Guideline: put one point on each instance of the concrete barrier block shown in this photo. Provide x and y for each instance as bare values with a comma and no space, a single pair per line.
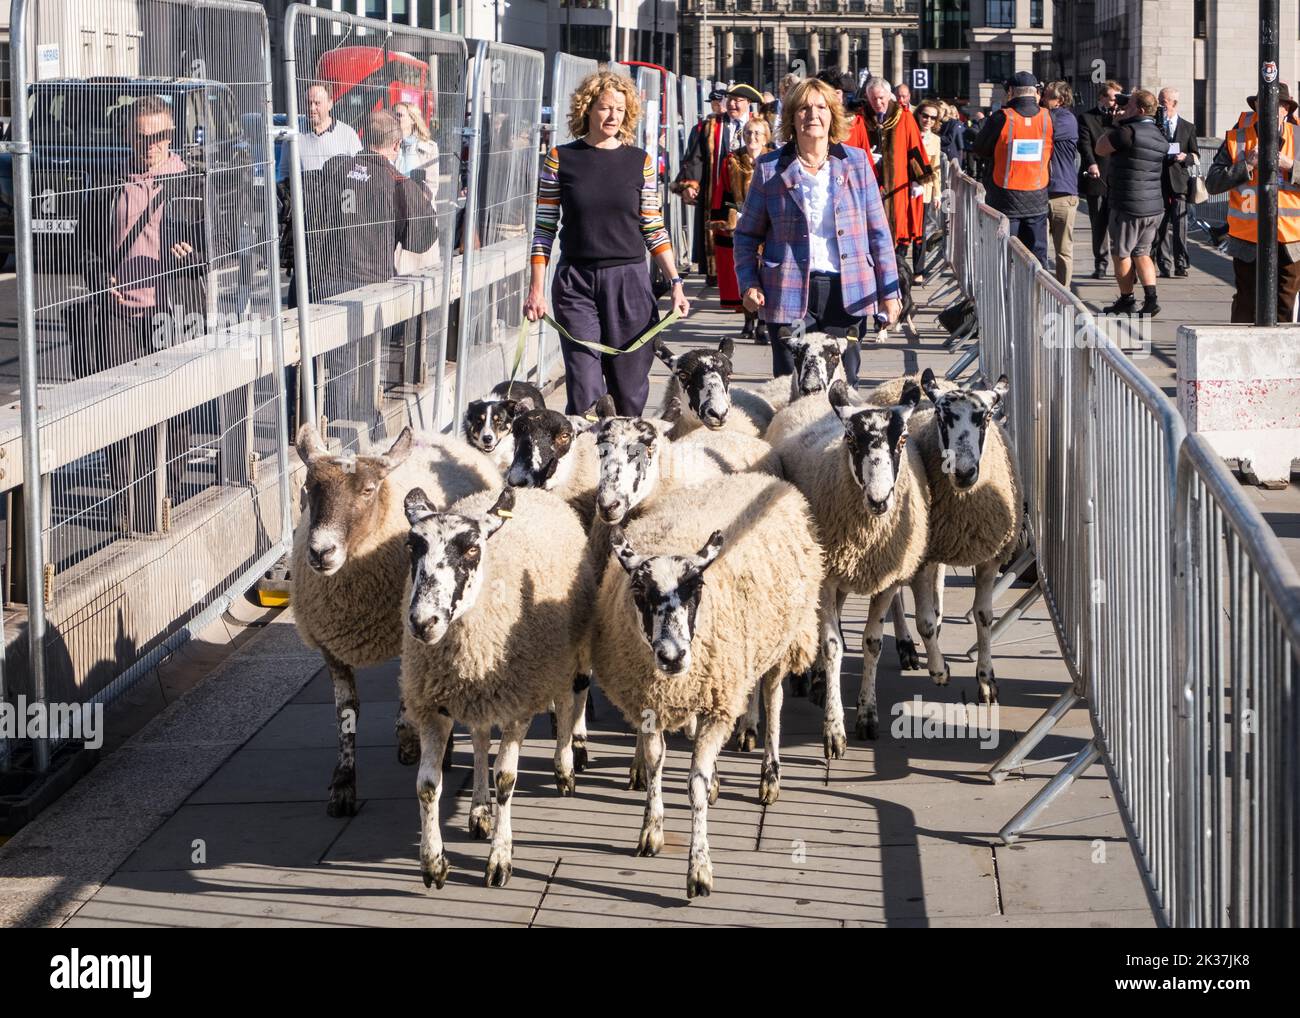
1239,387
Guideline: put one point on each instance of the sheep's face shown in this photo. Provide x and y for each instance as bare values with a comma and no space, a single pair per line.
705,377
543,441
343,496
874,438
818,361
666,590
487,424
447,553
963,417
629,450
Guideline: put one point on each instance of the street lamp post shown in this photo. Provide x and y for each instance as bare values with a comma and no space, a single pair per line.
1266,196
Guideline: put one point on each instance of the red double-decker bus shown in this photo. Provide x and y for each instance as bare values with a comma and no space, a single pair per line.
363,79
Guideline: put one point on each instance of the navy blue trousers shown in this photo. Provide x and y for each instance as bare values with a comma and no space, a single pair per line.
612,306
825,312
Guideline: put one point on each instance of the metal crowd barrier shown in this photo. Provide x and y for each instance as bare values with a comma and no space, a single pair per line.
152,411
1176,611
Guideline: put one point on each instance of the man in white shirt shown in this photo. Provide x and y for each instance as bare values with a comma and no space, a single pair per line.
325,137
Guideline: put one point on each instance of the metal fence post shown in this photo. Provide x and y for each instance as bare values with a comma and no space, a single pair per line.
302,288
469,231
33,511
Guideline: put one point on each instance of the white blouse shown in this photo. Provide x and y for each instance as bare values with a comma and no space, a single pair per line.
822,243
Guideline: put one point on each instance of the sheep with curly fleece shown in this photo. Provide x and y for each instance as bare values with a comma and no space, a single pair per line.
871,502
499,607
688,633
348,563
701,379
890,391
639,463
975,512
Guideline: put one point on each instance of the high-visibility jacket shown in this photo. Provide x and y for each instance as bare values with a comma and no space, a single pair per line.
1023,152
1242,200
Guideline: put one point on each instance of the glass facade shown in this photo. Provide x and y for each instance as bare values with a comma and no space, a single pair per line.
944,24
1000,13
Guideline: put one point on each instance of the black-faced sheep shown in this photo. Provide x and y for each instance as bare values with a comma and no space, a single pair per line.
870,500
701,379
716,590
348,563
976,509
499,608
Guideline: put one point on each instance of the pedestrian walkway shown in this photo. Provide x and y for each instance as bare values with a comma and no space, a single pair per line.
214,814
1204,297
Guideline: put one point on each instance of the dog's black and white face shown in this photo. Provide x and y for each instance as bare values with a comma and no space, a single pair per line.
447,562
705,377
876,437
488,424
666,590
818,360
964,416
629,450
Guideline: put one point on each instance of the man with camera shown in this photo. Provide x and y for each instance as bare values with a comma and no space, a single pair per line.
1092,171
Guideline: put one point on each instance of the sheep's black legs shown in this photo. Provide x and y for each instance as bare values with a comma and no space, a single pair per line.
907,656
652,826
986,573
499,862
769,786
434,733
703,783
347,710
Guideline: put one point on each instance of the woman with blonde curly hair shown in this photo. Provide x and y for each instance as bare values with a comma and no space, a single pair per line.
600,193
417,156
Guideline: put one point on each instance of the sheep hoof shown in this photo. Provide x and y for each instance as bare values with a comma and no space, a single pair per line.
817,690
799,684
988,687
565,783
908,659
651,841
835,743
699,880
580,758
343,794
769,785
498,868
715,785
941,678
435,871
408,746
868,725
636,779
480,823
744,739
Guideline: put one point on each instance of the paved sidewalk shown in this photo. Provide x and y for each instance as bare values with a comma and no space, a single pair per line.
902,832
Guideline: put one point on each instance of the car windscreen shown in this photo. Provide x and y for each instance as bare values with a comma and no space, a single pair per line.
87,114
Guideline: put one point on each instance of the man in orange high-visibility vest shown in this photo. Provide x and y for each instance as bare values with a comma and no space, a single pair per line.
1236,170
1018,140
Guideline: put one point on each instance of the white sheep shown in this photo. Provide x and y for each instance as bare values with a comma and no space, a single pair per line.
639,463
685,633
976,507
487,422
348,563
499,607
870,500
701,379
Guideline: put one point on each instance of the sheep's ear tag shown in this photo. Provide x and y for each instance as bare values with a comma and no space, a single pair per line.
591,417
505,514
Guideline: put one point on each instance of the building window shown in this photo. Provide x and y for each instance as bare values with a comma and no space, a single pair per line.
591,41
797,50
999,66
1000,13
829,6
1035,13
4,79
745,6
1200,107
800,6
945,23
857,7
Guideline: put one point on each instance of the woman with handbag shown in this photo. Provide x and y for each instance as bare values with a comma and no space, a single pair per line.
737,172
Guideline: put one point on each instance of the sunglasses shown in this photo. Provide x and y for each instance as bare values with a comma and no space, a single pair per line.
147,140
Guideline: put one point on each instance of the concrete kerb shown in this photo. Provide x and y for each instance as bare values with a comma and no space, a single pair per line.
57,862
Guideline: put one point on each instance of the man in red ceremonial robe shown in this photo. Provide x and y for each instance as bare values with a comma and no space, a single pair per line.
892,137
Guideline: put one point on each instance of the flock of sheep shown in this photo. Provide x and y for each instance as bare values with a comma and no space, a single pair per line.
687,563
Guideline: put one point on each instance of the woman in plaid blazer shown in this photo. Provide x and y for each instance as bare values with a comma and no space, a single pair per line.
813,248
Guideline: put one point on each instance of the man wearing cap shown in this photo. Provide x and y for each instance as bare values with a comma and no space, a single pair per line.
1236,169
700,180
1018,140
1137,149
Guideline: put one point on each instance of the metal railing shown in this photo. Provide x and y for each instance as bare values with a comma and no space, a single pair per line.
1176,611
